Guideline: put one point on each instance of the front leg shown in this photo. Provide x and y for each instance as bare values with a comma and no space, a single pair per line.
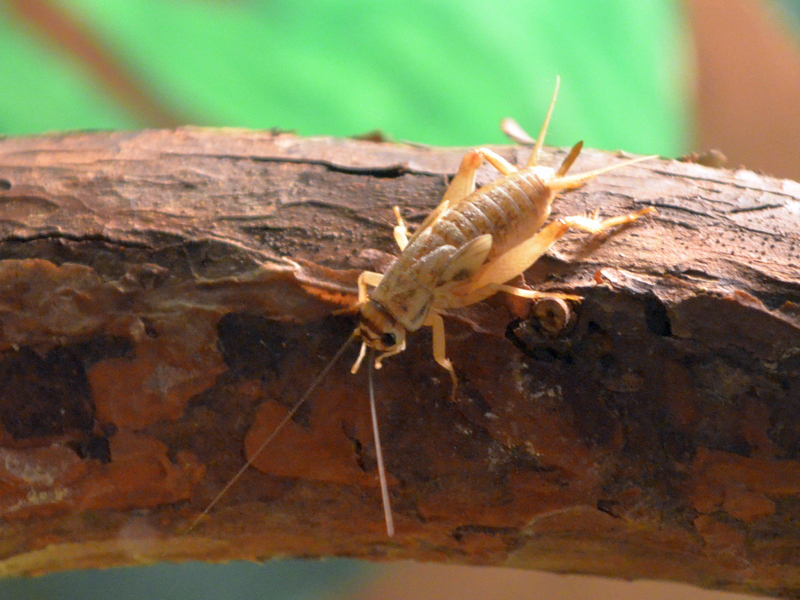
435,321
367,278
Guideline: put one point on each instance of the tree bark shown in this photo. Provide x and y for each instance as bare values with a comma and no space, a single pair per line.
165,296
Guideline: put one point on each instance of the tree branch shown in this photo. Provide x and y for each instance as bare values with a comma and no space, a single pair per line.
166,295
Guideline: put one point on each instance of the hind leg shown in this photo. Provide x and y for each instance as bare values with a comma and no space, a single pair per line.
518,259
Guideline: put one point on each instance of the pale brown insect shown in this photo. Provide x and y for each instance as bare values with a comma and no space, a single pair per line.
465,251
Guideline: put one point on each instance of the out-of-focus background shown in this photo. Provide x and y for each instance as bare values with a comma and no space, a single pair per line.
659,76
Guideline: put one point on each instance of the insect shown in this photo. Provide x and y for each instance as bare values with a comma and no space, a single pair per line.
465,251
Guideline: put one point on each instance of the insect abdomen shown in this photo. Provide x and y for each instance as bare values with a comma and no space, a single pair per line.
510,209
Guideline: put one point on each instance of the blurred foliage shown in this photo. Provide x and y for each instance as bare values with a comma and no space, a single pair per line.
440,73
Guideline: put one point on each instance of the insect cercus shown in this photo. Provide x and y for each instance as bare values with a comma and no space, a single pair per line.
466,250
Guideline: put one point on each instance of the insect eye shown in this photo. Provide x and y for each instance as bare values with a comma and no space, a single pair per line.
388,340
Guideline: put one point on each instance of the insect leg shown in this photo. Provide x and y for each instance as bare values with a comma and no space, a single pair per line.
513,262
490,289
435,321
398,350
519,258
463,183
367,278
400,230
592,224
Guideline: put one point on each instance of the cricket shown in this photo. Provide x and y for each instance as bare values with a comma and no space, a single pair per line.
466,250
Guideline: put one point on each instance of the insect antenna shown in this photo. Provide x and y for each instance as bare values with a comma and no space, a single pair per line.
295,407
387,507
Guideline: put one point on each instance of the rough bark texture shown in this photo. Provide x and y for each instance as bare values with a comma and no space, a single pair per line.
165,295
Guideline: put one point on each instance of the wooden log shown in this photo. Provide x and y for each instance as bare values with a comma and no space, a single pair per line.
166,295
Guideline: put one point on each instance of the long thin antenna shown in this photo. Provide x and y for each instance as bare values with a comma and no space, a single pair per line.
275,432
387,507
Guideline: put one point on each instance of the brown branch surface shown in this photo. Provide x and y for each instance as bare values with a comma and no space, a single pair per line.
165,295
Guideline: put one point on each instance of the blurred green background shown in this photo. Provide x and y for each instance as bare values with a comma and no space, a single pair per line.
441,73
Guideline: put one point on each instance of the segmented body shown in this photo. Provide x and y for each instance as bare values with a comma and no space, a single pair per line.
510,209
